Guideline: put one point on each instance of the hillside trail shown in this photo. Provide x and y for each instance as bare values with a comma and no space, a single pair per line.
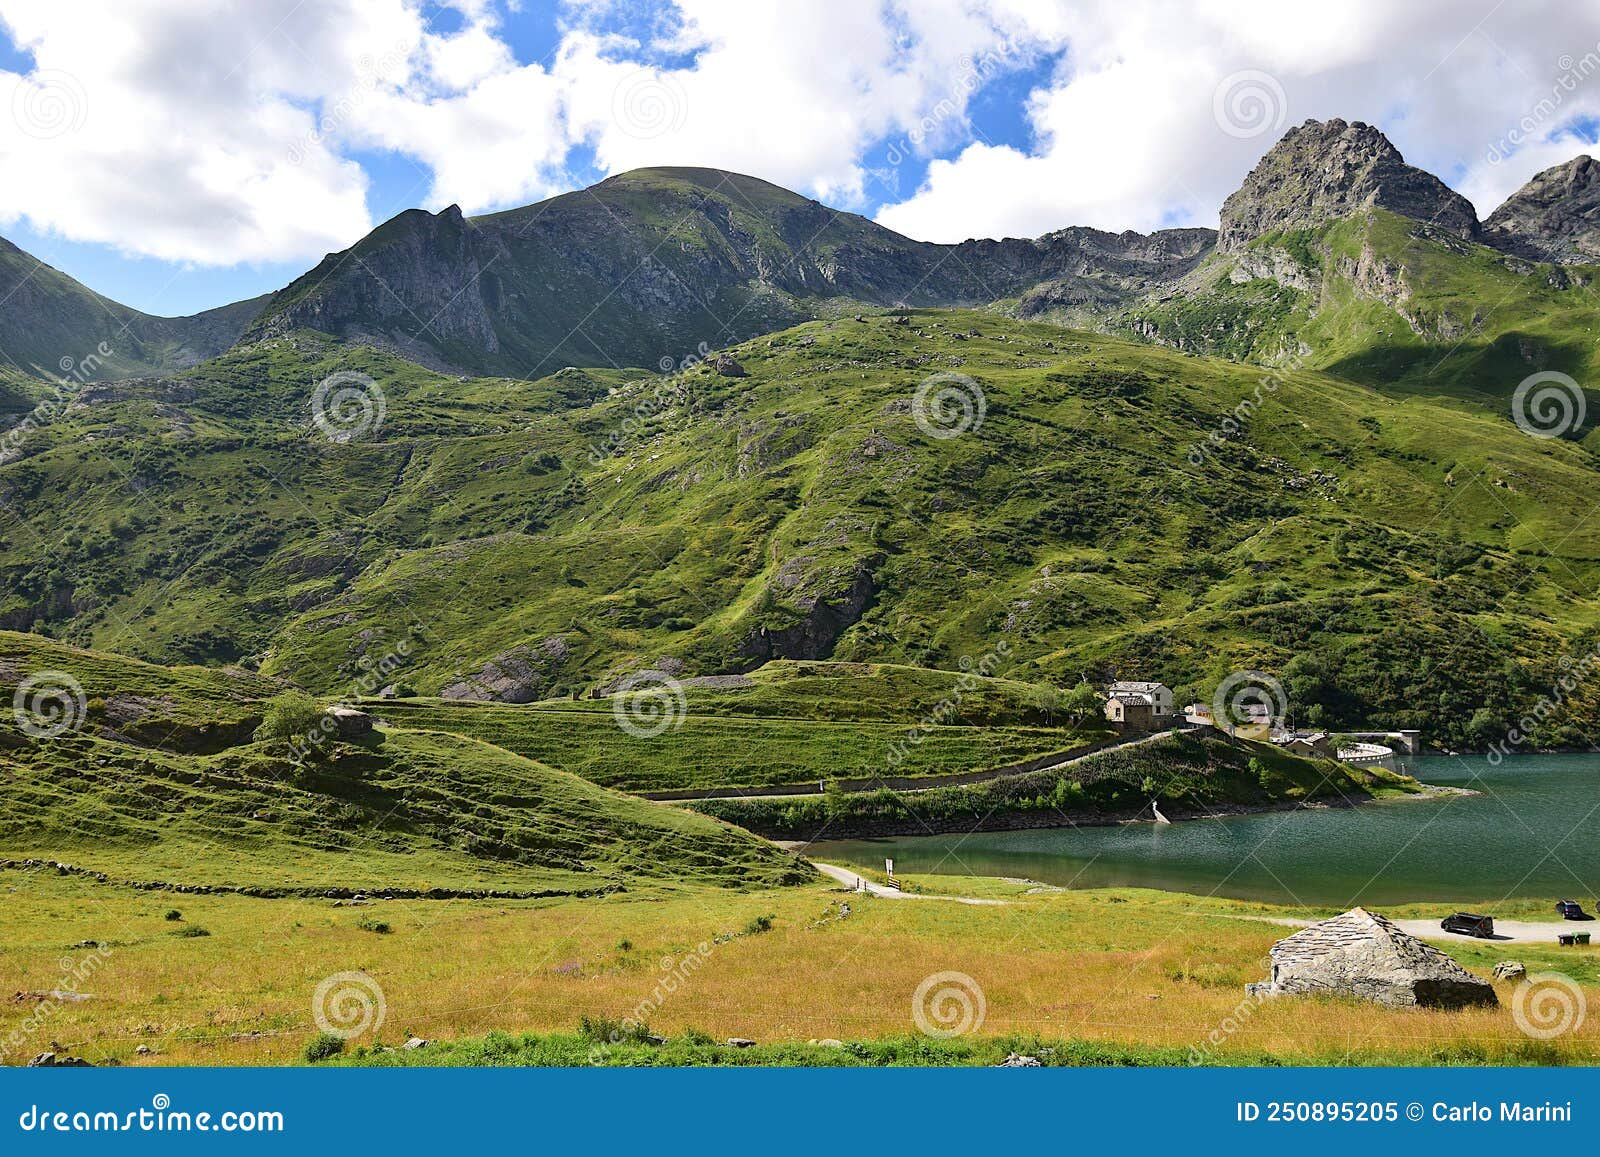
854,880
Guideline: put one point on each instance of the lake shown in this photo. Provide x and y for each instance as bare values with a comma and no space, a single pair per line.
1535,831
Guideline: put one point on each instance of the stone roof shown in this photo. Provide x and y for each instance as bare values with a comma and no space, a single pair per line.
1141,688
1361,954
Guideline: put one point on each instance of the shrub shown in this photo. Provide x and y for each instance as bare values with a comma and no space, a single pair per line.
191,932
322,1046
290,715
370,925
758,924
173,914
604,1030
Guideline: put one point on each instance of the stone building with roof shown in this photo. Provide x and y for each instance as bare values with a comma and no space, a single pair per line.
1360,954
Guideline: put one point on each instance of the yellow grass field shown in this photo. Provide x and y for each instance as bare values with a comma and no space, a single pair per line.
1135,968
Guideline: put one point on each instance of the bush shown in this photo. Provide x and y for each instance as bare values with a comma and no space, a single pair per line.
758,924
322,1046
173,914
191,932
370,925
288,716
604,1030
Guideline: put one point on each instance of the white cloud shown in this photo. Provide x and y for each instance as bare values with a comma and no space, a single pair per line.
224,131
1128,138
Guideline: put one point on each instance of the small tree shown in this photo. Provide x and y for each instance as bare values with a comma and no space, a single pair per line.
290,715
1081,703
1047,698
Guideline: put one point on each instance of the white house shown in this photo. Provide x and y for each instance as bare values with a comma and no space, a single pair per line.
1158,695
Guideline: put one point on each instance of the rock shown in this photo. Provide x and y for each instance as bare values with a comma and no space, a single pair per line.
727,367
739,1042
57,1061
1510,970
145,1051
826,1043
350,721
1360,954
1554,217
416,1042
1019,1061
1325,170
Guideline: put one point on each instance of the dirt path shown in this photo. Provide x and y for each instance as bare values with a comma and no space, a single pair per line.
852,879
1506,931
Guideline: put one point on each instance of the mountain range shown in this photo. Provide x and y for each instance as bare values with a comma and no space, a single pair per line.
525,513
650,266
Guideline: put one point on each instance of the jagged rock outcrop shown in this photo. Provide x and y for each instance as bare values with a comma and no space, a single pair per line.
1554,217
1324,170
412,286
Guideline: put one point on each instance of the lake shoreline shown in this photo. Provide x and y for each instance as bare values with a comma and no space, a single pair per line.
1034,821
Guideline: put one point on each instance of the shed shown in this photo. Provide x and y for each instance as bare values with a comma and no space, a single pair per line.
1362,955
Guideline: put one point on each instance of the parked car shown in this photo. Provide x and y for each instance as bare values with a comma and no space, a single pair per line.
1469,924
1572,910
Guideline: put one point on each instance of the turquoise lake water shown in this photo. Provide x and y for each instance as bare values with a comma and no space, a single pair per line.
1535,831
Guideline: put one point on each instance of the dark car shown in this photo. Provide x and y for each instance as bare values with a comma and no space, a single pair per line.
1572,910
1469,924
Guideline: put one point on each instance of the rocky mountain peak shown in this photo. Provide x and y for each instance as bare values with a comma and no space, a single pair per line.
1554,217
1324,170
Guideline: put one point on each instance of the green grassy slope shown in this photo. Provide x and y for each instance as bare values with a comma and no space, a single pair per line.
401,810
1389,302
1400,559
708,751
57,329
123,699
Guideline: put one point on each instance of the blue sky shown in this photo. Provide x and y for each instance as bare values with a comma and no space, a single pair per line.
167,181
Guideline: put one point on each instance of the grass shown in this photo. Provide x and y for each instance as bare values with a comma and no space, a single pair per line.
710,751
1398,558
413,811
176,708
1115,976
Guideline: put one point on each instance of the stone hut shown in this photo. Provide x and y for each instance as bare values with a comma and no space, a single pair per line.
1361,954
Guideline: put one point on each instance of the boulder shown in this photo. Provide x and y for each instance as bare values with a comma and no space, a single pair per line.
1362,955
1510,970
350,721
56,1061
416,1042
739,1042
1020,1061
727,367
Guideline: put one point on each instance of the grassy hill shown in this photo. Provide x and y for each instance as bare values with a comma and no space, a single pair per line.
55,328
711,751
401,810
1397,558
